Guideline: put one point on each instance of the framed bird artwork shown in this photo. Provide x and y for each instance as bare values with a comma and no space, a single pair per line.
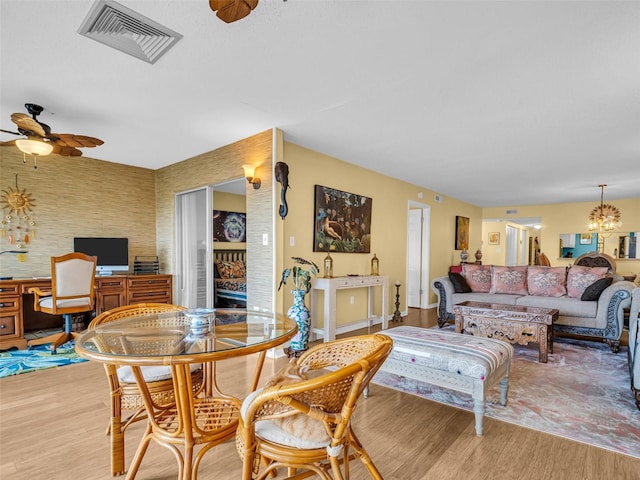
342,221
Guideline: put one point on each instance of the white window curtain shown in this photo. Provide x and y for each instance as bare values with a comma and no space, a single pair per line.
193,249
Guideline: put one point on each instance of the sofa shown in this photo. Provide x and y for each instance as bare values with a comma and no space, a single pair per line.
590,300
634,344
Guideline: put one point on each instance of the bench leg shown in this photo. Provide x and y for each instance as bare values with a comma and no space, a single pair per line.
504,389
478,410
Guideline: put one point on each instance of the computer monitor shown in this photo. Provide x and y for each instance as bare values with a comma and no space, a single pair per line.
112,253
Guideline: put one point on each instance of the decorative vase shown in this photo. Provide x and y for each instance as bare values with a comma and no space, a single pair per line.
478,255
299,313
464,255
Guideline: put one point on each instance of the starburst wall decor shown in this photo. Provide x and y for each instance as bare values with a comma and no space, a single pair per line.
17,227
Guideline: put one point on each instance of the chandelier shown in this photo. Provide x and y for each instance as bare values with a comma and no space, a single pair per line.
603,219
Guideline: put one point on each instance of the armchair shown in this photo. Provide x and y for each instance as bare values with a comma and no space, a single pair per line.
124,392
347,367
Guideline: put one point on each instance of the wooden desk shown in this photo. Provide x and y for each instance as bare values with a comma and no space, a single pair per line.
329,286
203,418
16,303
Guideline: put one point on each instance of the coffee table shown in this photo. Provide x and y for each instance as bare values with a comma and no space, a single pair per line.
510,323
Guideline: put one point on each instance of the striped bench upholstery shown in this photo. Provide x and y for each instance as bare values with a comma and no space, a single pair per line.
463,363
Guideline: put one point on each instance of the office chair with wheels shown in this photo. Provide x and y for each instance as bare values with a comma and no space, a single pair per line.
72,291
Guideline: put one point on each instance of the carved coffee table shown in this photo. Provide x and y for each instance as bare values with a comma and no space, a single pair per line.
510,323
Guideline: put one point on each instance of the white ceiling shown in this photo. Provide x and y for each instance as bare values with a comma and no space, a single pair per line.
493,103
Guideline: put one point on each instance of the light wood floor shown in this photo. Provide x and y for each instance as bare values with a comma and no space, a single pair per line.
52,426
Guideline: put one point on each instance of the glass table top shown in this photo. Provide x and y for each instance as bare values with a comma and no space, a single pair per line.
185,336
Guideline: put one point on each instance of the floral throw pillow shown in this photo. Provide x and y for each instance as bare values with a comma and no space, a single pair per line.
231,269
547,281
579,278
509,280
478,277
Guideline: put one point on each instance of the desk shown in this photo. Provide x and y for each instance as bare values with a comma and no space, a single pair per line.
330,285
16,303
209,417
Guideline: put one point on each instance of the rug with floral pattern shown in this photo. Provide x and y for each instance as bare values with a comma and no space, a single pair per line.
582,393
13,362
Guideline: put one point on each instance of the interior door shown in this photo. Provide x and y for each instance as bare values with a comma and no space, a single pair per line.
512,246
418,224
194,279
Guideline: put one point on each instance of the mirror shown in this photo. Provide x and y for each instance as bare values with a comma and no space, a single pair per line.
620,245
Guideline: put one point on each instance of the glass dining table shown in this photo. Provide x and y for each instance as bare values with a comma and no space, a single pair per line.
203,416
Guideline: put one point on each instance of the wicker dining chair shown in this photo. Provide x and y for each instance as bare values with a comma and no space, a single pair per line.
125,394
346,367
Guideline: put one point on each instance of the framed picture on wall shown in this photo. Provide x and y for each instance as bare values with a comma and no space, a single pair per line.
494,238
462,233
229,226
342,221
585,239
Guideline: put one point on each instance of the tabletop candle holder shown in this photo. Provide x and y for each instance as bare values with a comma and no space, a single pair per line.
397,316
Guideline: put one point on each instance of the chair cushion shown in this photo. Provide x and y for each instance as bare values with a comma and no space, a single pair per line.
509,280
271,432
76,302
150,374
579,278
267,430
547,281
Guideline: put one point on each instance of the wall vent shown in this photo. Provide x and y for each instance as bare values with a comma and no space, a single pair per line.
120,27
512,212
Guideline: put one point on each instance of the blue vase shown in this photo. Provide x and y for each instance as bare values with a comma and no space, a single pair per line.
299,313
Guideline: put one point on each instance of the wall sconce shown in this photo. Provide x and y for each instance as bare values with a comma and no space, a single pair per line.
249,174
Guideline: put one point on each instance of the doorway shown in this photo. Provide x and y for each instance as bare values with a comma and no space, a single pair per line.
418,234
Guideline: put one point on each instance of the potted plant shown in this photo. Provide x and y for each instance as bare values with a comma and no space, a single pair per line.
300,273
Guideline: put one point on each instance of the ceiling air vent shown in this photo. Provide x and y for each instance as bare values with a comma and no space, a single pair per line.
119,27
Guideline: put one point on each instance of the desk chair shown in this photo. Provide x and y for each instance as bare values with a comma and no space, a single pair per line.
349,363
72,291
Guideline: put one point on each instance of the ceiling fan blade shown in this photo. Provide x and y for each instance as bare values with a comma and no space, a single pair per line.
216,5
234,11
252,3
28,124
72,140
65,151
10,143
9,131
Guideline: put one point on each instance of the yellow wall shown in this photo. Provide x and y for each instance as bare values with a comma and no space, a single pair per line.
573,218
390,200
495,254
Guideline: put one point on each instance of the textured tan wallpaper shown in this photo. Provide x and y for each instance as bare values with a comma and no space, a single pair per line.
74,197
219,166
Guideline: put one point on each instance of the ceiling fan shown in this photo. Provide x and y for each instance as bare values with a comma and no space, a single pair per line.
232,10
39,134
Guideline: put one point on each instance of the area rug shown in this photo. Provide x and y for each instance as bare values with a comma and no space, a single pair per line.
13,362
582,393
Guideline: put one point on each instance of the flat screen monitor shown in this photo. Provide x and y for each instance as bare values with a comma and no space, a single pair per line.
112,253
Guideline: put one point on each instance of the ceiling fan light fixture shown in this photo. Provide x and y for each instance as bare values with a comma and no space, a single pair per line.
32,146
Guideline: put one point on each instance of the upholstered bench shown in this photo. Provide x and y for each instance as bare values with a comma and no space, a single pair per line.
463,363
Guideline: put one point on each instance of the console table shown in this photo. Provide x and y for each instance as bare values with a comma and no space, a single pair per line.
16,303
330,286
